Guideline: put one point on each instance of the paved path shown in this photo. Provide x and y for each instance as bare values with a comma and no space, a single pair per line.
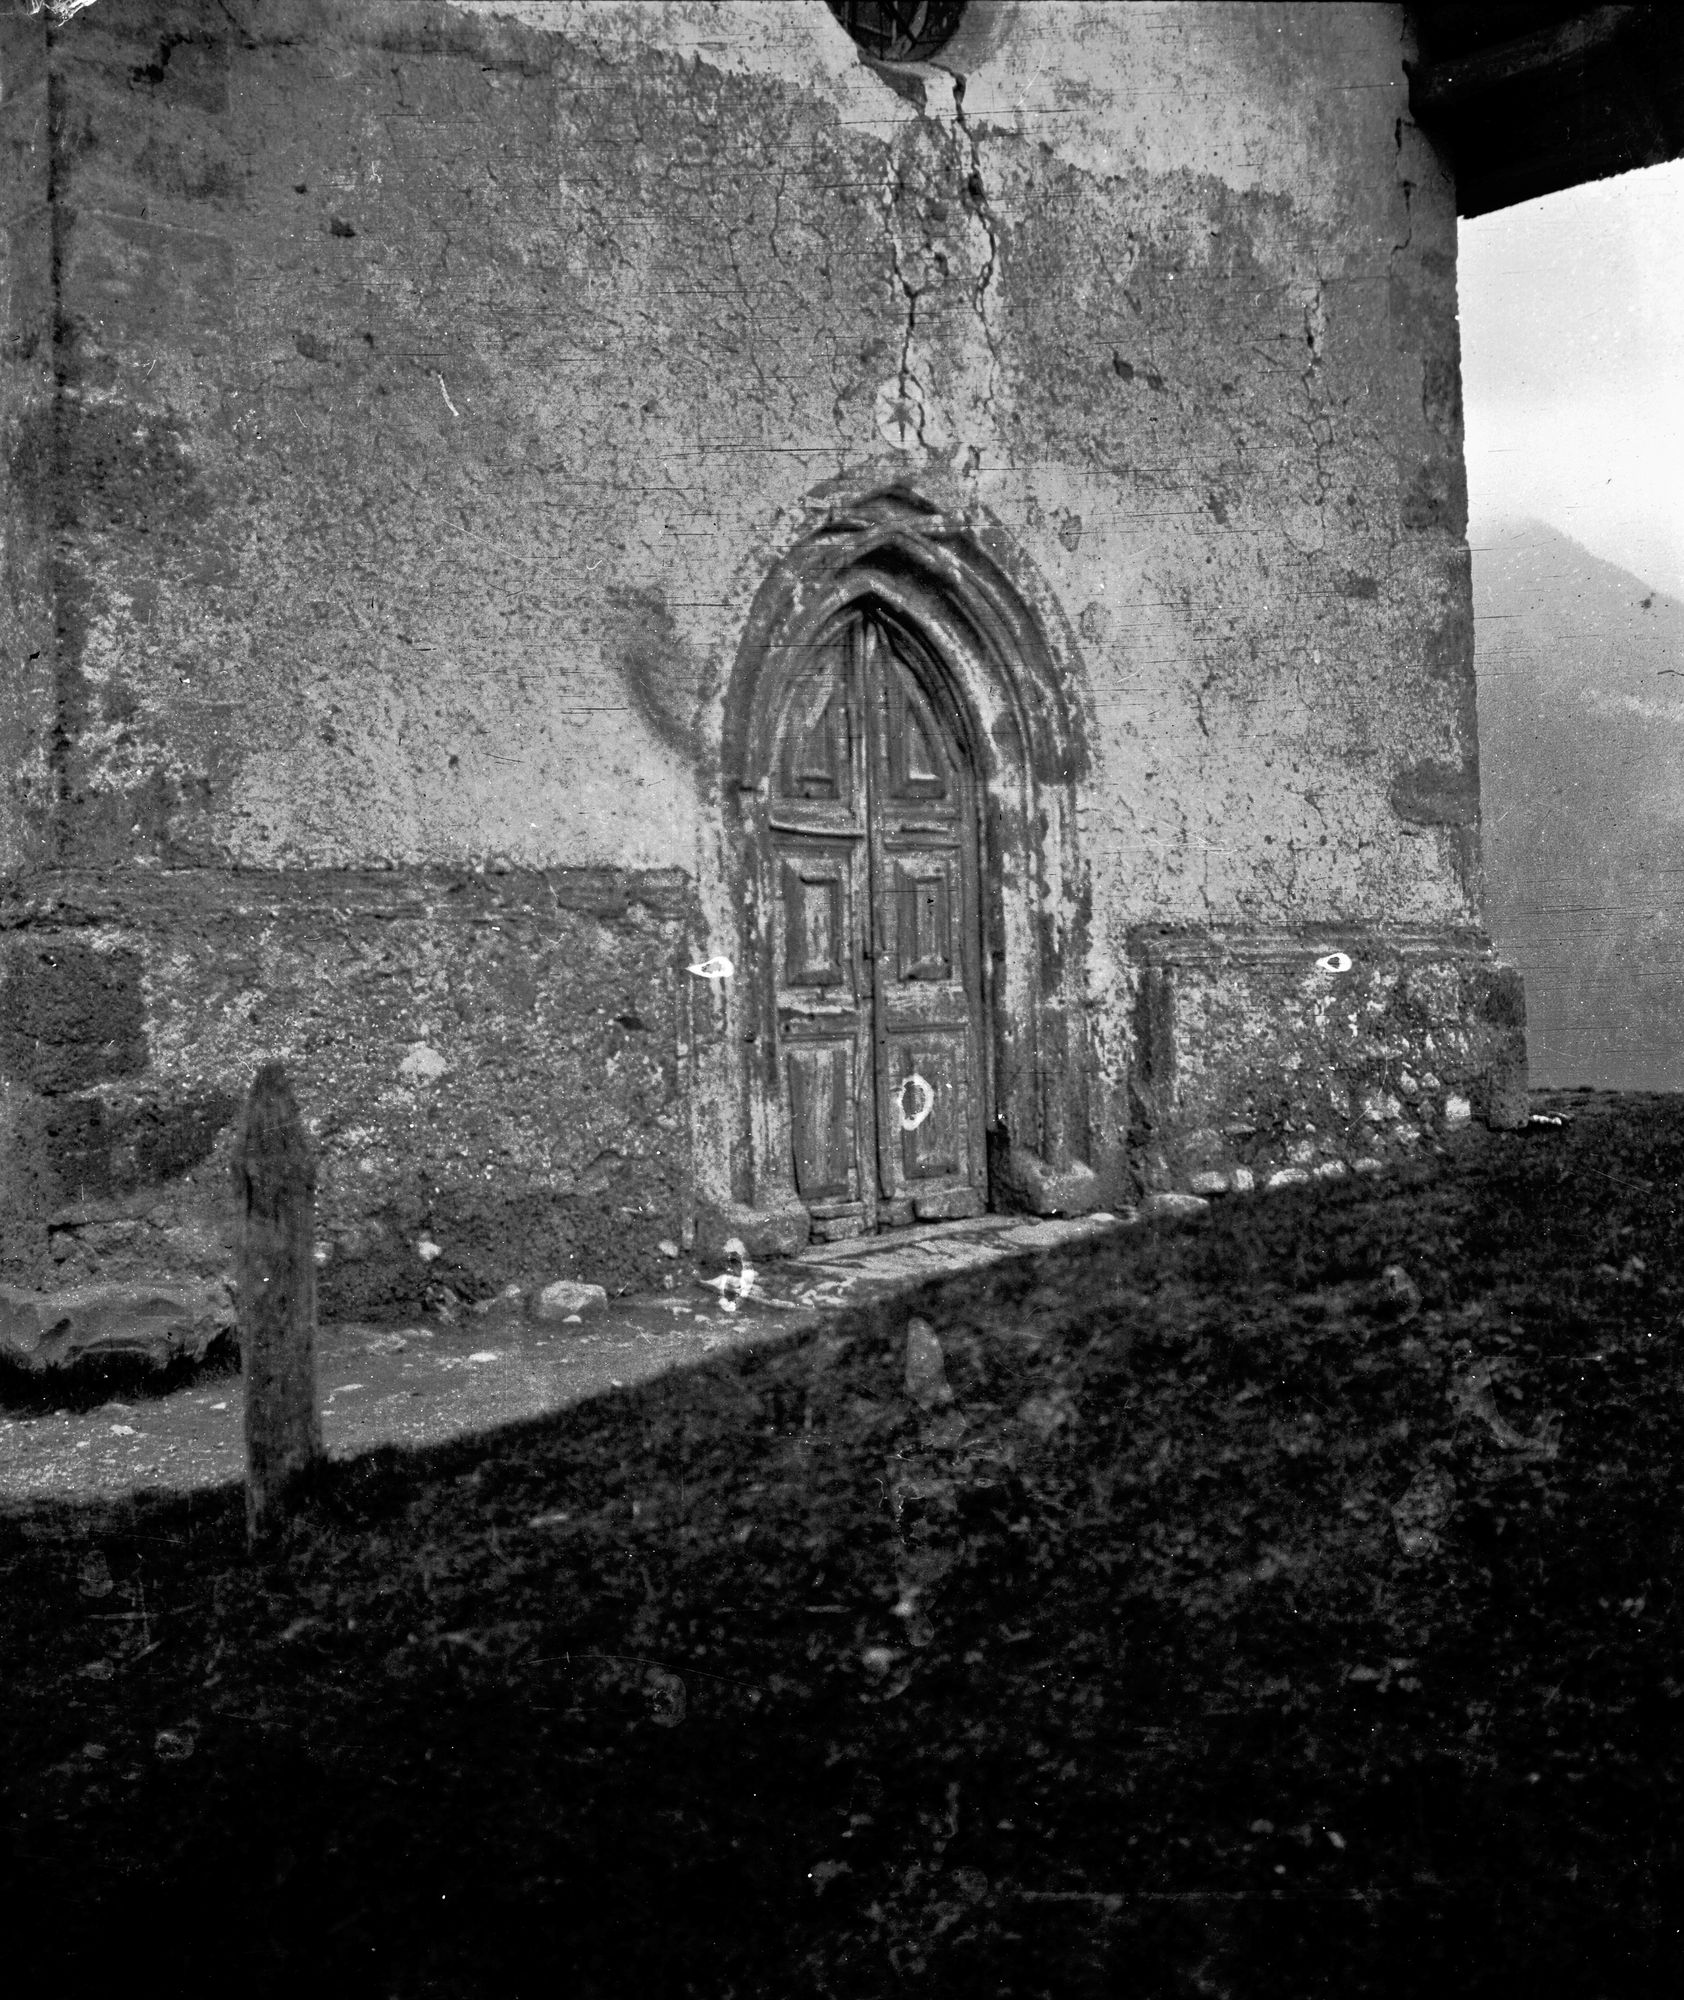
423,1384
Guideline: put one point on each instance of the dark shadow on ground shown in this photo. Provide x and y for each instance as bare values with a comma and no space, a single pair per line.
1238,1619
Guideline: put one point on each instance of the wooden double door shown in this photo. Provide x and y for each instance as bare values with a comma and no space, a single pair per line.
872,829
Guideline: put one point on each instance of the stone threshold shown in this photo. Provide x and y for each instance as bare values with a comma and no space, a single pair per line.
851,1247
925,1251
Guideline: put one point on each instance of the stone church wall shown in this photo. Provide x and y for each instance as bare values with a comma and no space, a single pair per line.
404,402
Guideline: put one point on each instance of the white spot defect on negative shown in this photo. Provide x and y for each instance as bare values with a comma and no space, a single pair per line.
719,967
1334,961
926,1104
427,1250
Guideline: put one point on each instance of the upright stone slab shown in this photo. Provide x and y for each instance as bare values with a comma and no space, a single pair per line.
275,1180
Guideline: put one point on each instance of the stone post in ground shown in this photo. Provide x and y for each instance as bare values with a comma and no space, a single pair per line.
1505,1085
275,1187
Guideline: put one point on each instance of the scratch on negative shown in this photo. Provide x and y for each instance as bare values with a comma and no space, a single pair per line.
448,404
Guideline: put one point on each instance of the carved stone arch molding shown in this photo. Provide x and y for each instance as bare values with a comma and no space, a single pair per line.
1017,704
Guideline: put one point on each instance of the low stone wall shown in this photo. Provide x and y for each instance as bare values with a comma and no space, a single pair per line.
491,1065
499,1068
1281,1057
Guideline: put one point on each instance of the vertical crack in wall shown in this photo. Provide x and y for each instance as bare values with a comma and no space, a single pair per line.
908,387
1316,420
751,322
976,191
1406,187
1205,687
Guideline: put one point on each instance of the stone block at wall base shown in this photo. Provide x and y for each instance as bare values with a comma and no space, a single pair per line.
1023,1180
1260,1055
776,1230
489,1063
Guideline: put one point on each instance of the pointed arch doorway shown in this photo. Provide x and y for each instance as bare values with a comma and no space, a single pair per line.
901,896
877,962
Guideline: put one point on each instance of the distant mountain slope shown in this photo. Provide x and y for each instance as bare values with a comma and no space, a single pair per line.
1581,722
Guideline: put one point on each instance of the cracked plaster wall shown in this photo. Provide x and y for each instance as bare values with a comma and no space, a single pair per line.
440,385
437,382
26,397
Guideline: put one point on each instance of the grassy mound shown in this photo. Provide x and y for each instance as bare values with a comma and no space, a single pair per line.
1279,1604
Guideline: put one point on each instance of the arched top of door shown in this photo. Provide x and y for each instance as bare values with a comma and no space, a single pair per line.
969,595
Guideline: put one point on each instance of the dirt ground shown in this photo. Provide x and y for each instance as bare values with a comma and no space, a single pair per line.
377,1385
467,1374
1278,1603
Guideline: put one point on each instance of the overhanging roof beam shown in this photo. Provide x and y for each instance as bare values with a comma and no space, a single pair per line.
1552,53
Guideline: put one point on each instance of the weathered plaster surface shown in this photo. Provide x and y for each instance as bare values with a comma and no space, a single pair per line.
416,514
493,1064
26,401
438,383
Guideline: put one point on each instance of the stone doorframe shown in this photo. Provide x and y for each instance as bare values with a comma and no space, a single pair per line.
1056,1141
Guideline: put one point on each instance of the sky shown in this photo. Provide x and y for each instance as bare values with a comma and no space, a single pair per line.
1573,368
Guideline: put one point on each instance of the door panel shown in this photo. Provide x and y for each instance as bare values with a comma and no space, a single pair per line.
815,901
926,999
876,951
916,765
820,918
821,1102
929,1087
921,916
815,759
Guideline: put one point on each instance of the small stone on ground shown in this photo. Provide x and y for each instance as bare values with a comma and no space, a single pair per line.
567,1297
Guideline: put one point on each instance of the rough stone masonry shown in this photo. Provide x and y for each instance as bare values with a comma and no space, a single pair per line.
436,433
